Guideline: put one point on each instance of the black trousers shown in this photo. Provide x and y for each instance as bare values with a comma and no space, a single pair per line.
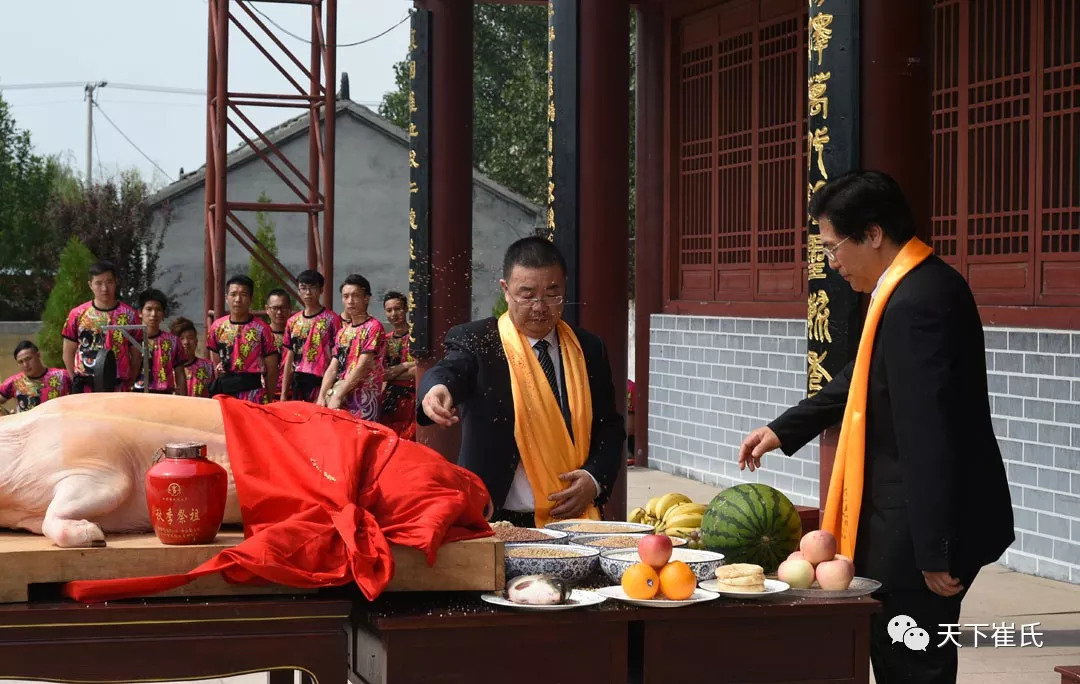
895,663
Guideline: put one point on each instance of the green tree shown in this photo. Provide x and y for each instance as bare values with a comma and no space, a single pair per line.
510,96
114,221
499,308
510,101
266,234
69,289
30,247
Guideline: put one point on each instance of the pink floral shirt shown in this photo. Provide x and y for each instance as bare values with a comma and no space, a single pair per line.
85,326
242,347
312,340
353,342
166,356
30,392
199,376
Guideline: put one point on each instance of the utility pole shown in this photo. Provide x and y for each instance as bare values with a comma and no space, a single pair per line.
89,90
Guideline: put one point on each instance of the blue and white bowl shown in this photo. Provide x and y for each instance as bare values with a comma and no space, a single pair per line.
570,569
704,563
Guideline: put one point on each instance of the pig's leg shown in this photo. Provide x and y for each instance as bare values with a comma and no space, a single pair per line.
79,496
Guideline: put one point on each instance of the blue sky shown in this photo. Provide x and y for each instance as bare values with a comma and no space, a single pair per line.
159,42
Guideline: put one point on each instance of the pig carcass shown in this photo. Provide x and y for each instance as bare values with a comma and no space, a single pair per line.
74,468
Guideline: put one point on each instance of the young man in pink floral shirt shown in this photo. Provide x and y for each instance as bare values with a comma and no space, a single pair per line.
198,372
36,384
165,358
242,348
278,310
86,341
310,336
354,379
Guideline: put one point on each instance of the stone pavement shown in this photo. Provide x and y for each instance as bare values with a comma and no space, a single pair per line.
999,595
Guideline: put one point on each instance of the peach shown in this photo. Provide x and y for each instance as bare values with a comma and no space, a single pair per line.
818,546
796,572
835,575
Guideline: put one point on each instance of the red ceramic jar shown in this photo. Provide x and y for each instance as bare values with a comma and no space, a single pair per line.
185,494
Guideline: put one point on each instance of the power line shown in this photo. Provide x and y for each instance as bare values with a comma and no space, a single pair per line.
340,45
32,86
110,84
132,143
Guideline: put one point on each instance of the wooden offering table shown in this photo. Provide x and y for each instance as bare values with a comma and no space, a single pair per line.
453,638
28,559
769,640
174,639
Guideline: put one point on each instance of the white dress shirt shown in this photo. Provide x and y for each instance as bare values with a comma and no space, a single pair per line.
520,497
880,280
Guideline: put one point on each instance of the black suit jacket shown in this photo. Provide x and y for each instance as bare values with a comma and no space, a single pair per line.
935,494
475,370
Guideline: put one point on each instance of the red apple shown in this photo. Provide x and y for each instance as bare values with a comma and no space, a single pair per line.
818,546
654,550
835,575
797,572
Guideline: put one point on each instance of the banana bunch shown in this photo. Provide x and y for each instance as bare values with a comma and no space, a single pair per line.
674,514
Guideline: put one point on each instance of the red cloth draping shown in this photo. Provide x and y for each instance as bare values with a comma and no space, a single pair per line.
323,495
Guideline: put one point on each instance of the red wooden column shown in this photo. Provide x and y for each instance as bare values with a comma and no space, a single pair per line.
451,186
649,207
896,99
604,121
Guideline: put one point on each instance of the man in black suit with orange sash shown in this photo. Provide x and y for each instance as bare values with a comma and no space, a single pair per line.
534,396
918,478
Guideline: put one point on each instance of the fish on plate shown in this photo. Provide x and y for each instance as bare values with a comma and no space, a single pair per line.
537,590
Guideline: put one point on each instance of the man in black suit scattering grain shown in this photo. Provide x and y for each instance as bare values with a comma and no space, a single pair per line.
534,397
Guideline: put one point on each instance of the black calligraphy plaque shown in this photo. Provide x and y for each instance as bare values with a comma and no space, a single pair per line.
562,210
833,313
420,184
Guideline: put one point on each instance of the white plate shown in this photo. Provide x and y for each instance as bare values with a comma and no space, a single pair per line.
771,587
860,586
616,592
578,599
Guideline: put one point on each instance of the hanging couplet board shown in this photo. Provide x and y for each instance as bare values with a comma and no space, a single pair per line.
420,184
562,114
832,318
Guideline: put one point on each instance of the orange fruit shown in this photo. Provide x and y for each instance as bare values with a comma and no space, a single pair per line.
677,581
640,581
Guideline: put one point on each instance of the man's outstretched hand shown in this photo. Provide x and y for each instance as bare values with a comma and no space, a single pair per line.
438,405
757,444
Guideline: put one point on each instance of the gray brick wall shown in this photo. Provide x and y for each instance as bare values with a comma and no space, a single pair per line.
1034,380
712,380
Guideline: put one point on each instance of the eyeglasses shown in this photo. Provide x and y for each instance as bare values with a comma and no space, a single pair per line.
830,252
554,300
277,308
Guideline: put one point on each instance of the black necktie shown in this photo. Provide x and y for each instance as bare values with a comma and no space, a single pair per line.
544,358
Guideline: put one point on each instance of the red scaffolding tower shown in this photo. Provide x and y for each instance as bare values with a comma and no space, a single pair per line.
225,110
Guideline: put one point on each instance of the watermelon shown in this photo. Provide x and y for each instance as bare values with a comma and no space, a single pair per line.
752,523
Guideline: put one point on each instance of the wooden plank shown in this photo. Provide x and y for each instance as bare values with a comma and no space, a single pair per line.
473,565
33,559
